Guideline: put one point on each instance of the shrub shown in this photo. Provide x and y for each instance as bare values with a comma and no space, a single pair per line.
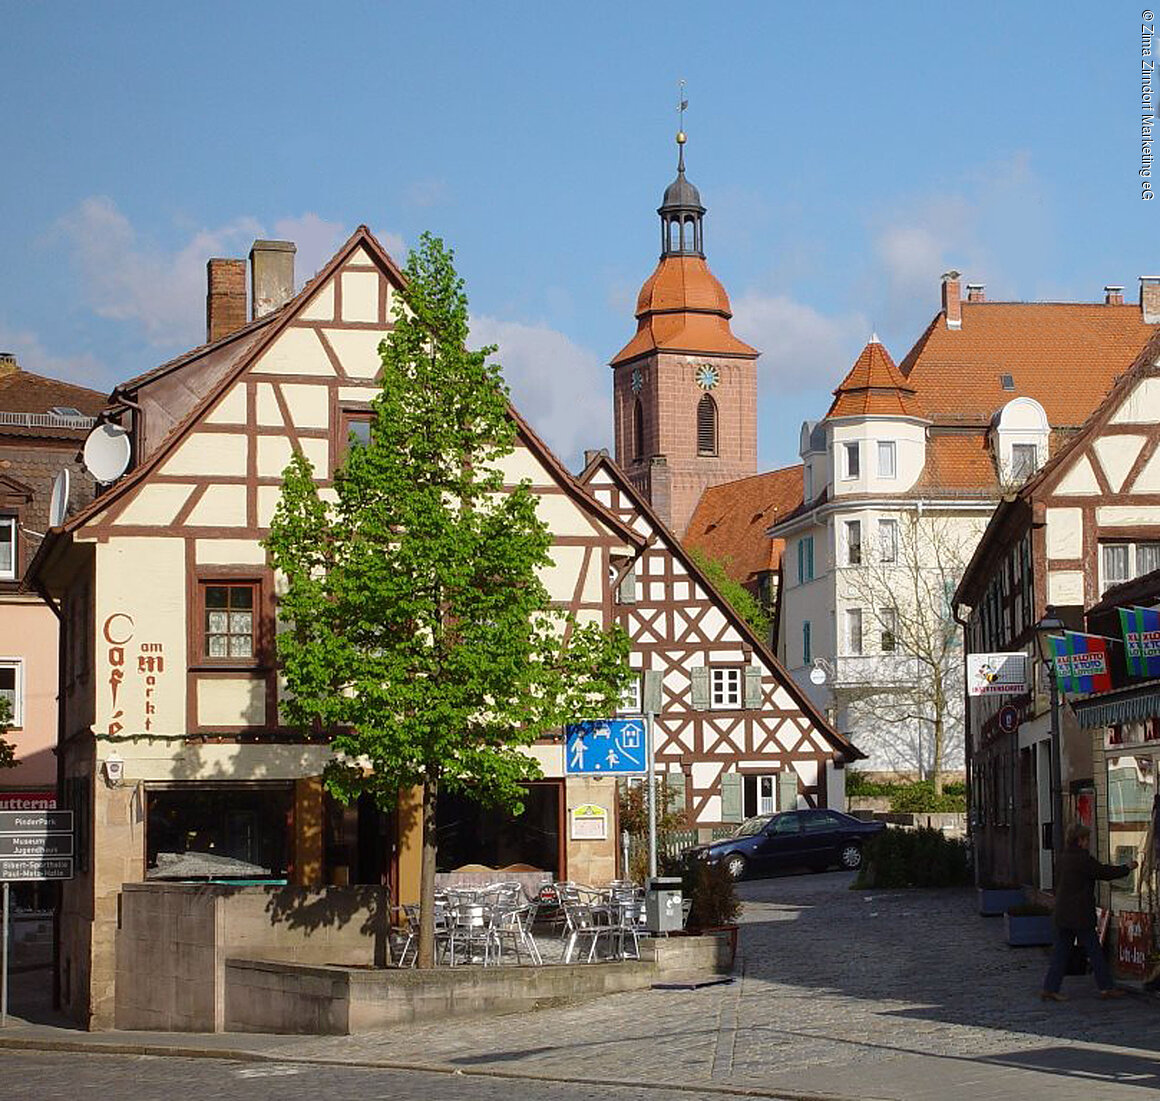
911,796
914,858
713,892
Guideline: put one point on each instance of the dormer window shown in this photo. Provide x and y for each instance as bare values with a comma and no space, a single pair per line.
1007,382
1024,460
7,548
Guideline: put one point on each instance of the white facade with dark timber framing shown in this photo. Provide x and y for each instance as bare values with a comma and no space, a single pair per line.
733,726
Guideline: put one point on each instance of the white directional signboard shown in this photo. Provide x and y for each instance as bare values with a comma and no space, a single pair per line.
36,844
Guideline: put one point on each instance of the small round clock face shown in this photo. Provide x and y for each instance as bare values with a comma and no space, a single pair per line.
637,380
707,376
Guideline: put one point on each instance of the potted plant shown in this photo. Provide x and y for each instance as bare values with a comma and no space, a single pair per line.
997,898
1028,924
715,903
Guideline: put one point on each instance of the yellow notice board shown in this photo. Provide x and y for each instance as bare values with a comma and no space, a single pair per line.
589,822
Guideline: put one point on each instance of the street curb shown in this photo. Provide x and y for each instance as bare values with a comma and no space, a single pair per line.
98,1047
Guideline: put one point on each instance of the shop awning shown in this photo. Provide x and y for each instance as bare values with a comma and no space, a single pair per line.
1114,708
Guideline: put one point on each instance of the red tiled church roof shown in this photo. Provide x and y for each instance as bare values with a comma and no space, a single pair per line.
682,307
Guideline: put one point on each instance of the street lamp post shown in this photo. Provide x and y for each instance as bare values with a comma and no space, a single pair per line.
1049,625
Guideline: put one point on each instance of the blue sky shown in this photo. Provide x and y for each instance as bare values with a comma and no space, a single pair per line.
847,153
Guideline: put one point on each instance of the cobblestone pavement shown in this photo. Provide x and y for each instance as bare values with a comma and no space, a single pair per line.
840,993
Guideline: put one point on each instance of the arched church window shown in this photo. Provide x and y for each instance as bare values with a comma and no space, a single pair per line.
706,426
638,430
674,235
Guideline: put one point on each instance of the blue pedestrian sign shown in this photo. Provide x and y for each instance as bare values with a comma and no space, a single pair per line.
606,747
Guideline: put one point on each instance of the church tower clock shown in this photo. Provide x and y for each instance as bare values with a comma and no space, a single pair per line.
684,387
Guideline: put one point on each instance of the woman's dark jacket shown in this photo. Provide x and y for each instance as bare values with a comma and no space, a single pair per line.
1076,873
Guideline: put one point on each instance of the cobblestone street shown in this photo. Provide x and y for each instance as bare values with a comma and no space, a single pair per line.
840,993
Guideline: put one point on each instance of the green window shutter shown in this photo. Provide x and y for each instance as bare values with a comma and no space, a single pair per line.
675,790
626,593
753,686
651,691
700,688
731,805
787,790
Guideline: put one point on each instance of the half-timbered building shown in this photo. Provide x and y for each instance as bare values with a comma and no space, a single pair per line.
173,752
1087,521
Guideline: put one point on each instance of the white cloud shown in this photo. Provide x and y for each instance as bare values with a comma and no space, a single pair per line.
317,241
162,291
801,349
127,279
559,387
31,355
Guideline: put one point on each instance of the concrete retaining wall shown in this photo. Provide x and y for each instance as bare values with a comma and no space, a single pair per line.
270,996
173,940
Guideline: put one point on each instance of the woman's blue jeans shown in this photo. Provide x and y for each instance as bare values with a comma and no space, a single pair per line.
1064,939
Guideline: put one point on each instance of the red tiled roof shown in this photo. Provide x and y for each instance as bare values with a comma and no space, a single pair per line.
683,308
874,386
956,464
1064,355
730,521
24,392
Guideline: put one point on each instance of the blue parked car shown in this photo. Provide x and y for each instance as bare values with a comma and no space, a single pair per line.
816,839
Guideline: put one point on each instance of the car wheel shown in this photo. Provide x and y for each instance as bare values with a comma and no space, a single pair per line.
735,865
850,856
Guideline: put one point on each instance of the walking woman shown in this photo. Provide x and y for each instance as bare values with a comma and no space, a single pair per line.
1076,873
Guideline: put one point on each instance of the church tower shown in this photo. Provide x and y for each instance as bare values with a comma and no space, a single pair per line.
684,388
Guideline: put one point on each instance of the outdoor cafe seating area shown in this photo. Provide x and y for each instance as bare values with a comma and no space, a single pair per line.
499,923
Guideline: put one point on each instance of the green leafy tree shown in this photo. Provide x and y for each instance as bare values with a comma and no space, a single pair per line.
7,749
743,602
418,632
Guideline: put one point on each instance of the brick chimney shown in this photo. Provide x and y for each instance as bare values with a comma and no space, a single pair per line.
1113,295
8,364
1150,298
975,292
225,299
951,300
271,275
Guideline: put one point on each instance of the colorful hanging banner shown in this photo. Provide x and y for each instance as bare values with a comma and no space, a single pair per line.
1081,662
1141,628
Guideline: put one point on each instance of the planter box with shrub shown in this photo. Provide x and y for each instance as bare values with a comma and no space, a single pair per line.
994,901
1028,925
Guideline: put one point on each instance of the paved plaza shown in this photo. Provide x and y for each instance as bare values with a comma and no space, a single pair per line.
839,993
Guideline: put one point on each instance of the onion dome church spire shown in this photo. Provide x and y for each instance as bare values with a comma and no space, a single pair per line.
685,388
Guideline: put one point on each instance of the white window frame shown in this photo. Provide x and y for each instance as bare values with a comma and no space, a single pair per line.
726,684
888,621
851,460
12,572
855,639
1132,562
16,664
630,702
853,533
888,541
1028,450
887,458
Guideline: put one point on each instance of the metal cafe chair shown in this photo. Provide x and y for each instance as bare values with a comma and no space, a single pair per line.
404,935
591,921
513,925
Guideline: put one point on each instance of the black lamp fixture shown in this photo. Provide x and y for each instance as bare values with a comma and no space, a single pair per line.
1049,625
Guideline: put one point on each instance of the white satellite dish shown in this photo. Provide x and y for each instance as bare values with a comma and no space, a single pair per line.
817,675
58,503
107,452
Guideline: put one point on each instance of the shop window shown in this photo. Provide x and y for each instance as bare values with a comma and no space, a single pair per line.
470,833
1131,790
228,623
219,831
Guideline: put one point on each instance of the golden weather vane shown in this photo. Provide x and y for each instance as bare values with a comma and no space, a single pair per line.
682,106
